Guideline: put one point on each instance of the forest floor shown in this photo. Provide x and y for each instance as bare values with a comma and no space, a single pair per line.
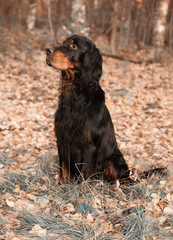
32,204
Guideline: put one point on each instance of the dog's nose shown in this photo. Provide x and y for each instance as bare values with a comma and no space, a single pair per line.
49,51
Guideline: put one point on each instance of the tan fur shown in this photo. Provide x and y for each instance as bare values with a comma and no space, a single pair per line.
60,61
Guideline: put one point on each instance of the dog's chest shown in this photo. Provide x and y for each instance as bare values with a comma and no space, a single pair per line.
70,116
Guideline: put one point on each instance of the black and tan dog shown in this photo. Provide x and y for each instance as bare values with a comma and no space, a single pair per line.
85,134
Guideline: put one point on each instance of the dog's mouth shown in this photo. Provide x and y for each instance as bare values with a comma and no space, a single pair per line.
48,62
58,61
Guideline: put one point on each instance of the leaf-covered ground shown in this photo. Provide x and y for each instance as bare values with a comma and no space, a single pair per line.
32,204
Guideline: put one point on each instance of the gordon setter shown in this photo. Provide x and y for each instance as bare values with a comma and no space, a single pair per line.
85,134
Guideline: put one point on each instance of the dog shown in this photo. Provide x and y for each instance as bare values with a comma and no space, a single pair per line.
84,131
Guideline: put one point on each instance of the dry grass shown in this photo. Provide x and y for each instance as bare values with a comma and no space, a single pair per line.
81,211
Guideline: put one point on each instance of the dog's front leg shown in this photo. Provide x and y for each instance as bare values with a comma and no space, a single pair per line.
89,158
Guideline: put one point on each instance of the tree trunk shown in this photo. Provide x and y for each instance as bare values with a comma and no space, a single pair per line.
159,29
78,15
31,15
19,3
114,26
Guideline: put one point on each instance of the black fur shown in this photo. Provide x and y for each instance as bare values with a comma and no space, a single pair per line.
85,134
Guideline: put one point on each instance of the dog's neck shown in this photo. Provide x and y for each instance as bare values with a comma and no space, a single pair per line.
74,79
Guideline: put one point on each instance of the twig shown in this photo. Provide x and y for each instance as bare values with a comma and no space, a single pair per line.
50,22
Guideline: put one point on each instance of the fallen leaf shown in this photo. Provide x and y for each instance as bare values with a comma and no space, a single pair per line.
168,210
38,231
90,218
10,203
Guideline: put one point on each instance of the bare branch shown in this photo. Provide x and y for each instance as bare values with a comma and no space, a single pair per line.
124,58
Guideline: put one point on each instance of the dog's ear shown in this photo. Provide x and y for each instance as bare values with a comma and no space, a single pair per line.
92,64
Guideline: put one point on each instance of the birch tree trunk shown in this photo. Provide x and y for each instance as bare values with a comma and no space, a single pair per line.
31,15
159,29
78,15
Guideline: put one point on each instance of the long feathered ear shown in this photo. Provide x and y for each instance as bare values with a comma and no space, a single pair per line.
92,65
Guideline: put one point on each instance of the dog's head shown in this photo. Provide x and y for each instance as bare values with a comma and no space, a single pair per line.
77,54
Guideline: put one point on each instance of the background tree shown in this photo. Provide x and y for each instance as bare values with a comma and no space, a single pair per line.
31,15
159,29
78,16
114,25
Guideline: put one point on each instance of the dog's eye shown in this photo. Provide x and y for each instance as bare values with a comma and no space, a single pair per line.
73,46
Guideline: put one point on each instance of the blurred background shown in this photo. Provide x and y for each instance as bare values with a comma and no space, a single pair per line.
115,25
